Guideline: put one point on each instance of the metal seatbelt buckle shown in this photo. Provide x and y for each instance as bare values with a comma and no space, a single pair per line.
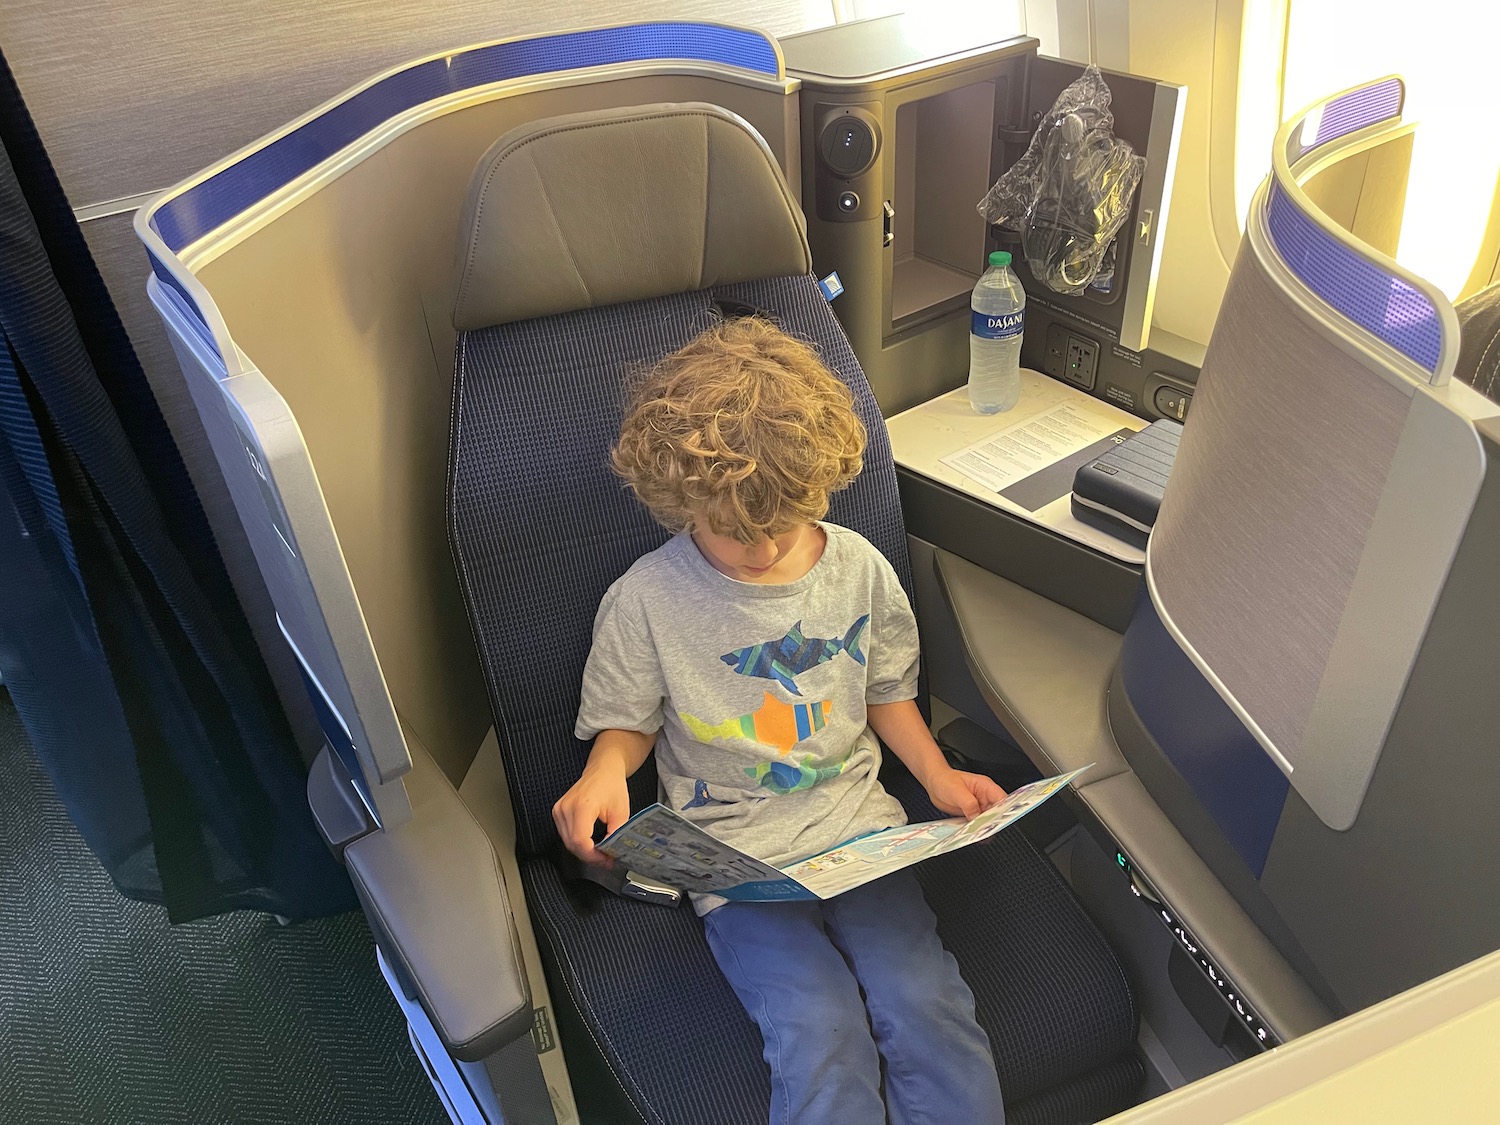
649,890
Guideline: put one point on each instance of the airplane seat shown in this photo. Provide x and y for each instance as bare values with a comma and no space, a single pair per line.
1296,763
1309,604
1479,344
592,245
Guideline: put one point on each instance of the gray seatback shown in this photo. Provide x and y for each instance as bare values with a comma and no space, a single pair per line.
1333,495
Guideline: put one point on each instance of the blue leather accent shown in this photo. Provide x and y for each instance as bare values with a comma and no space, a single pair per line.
1236,780
169,279
205,206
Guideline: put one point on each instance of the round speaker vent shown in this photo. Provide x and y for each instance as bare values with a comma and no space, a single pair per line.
847,146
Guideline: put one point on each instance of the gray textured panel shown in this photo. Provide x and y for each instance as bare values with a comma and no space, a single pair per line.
1272,495
1413,889
134,97
1418,525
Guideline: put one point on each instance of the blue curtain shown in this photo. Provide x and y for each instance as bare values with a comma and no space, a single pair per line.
128,657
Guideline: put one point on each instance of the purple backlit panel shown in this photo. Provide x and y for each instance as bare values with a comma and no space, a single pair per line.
1355,110
1380,303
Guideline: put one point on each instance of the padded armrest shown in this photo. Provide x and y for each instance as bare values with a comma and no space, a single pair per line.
434,892
1045,671
1180,878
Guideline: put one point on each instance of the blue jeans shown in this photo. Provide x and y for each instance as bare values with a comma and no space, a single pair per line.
799,968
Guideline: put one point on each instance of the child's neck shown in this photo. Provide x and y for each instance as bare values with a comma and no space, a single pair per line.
731,560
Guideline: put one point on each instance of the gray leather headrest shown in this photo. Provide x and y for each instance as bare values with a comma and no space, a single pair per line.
616,205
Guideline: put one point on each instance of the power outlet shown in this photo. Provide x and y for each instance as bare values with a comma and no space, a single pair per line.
1055,357
1082,362
1071,357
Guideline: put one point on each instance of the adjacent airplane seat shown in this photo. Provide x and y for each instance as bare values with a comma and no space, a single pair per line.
1296,753
1479,342
592,245
1316,598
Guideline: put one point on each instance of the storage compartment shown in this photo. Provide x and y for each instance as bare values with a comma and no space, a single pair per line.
903,233
942,170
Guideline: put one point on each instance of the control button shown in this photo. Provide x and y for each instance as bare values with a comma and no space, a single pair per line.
847,145
848,202
1172,403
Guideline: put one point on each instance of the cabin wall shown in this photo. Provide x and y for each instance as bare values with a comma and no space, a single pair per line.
130,98
1195,45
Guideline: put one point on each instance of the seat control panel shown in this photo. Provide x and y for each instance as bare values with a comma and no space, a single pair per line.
1171,402
1169,397
1259,1032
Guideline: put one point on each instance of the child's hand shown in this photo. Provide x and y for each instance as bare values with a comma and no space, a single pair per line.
963,794
600,794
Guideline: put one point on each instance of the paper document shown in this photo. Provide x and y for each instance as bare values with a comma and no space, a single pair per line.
661,845
1029,446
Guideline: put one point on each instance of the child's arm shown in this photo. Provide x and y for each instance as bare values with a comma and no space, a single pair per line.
600,794
903,732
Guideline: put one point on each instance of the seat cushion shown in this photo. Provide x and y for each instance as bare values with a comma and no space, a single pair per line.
1047,988
1048,991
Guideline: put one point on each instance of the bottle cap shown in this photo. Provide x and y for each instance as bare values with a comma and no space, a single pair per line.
1000,257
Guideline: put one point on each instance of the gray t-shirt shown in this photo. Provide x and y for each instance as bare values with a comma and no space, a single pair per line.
759,691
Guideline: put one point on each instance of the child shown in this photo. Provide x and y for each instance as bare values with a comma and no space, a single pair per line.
761,652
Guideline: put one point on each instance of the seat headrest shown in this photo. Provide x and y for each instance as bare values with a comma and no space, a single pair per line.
599,208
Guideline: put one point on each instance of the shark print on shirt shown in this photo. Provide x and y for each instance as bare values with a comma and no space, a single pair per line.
781,660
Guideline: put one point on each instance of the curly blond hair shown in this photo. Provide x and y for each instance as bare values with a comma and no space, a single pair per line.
743,424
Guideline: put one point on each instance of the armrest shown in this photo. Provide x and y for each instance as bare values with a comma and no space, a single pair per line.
1175,873
1043,669
436,899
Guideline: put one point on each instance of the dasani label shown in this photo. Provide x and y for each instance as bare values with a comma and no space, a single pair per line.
1000,327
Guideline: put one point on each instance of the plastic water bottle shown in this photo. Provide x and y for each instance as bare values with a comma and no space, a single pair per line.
997,318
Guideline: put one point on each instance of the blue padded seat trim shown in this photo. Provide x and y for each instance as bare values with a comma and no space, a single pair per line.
1236,781
205,206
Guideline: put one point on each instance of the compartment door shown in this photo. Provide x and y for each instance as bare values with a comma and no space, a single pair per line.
1148,114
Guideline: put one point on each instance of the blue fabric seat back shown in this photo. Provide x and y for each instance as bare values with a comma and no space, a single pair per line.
540,526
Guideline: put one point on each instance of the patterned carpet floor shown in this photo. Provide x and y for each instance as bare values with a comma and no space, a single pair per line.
109,1015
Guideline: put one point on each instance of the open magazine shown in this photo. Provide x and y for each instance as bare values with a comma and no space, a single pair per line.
660,845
